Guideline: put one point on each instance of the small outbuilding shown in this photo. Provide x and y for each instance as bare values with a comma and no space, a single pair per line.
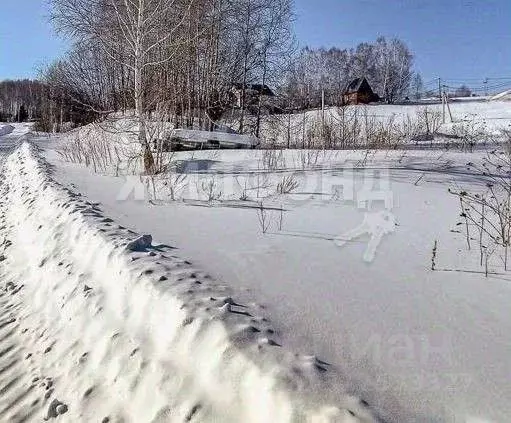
359,91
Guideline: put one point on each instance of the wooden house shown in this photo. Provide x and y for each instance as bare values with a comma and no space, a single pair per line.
359,91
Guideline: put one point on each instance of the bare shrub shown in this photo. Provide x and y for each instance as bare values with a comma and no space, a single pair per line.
258,183
306,159
99,146
428,121
244,188
384,134
175,183
209,188
263,218
287,185
87,147
470,132
349,126
488,211
272,159
368,154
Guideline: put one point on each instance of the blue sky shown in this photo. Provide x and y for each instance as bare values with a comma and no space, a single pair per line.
27,40
455,39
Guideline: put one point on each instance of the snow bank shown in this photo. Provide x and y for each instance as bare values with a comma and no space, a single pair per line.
505,95
223,138
5,129
102,328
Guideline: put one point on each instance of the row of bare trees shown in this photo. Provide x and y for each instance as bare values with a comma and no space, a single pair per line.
32,100
387,64
179,57
20,100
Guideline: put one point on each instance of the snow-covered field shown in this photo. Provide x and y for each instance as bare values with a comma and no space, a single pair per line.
337,270
496,113
417,345
99,324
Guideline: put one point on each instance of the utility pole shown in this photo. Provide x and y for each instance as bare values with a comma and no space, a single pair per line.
443,108
486,87
448,108
445,103
440,87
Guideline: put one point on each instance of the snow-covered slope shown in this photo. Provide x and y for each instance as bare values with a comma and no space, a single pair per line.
503,96
95,327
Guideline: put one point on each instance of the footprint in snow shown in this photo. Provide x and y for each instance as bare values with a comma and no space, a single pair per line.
55,409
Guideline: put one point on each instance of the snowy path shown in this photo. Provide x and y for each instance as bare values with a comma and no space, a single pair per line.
94,328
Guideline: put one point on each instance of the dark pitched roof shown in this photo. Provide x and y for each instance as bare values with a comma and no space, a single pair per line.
354,86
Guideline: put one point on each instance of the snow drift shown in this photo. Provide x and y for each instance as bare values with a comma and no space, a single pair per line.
100,324
503,96
5,129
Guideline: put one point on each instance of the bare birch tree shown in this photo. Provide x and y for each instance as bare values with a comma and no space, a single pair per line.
131,33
